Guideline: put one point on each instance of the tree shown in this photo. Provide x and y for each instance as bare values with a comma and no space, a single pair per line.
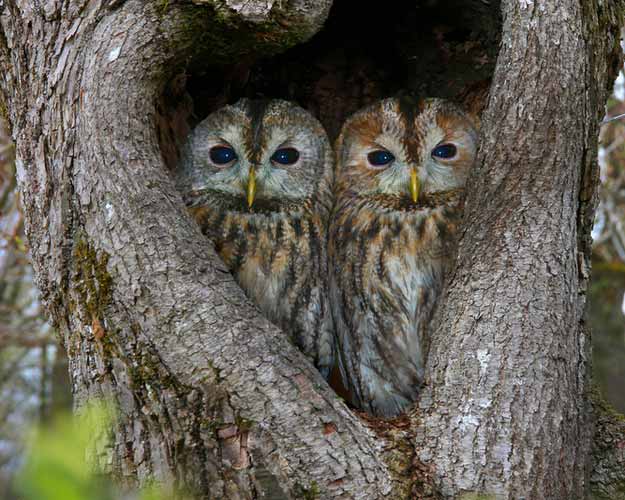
212,396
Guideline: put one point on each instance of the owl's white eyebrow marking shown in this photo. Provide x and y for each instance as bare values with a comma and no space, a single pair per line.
391,142
378,145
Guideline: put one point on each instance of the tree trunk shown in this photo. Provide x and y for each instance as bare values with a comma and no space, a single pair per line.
506,411
212,396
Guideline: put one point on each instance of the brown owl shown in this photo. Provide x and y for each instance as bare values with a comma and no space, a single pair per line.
256,176
401,169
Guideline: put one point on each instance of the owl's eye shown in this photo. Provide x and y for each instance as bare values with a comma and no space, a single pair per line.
221,155
444,151
380,158
285,156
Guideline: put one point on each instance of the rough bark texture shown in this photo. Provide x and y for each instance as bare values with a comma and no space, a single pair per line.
505,411
608,454
213,396
206,387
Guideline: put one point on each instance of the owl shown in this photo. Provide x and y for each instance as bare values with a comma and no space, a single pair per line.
400,173
256,177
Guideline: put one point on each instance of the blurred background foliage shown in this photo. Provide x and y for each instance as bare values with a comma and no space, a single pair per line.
34,383
58,463
607,299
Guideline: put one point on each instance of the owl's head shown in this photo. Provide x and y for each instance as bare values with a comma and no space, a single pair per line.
402,153
256,156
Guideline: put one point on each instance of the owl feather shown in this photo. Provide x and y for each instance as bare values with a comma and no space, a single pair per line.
256,177
401,171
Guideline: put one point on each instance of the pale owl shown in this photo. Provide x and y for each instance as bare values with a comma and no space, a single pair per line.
256,176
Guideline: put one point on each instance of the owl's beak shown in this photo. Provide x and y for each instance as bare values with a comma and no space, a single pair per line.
251,187
414,184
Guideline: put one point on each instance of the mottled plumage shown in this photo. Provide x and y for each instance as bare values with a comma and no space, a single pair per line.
266,214
401,170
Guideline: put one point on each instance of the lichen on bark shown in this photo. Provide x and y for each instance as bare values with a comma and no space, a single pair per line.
92,281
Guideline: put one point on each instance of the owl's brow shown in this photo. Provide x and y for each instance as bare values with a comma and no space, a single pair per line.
256,111
376,144
409,109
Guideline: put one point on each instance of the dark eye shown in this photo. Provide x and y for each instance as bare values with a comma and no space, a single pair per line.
285,156
444,151
221,155
380,158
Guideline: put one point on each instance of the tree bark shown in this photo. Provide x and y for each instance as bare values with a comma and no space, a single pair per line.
608,453
212,396
505,411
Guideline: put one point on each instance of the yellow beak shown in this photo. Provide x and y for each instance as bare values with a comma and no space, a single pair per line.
414,185
251,187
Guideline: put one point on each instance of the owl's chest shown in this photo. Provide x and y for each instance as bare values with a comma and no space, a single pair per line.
409,280
271,256
403,265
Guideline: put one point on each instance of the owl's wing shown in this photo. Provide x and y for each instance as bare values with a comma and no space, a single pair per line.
379,372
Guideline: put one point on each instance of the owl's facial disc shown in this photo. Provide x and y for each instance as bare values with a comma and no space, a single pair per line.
256,156
282,157
406,153
382,158
288,164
